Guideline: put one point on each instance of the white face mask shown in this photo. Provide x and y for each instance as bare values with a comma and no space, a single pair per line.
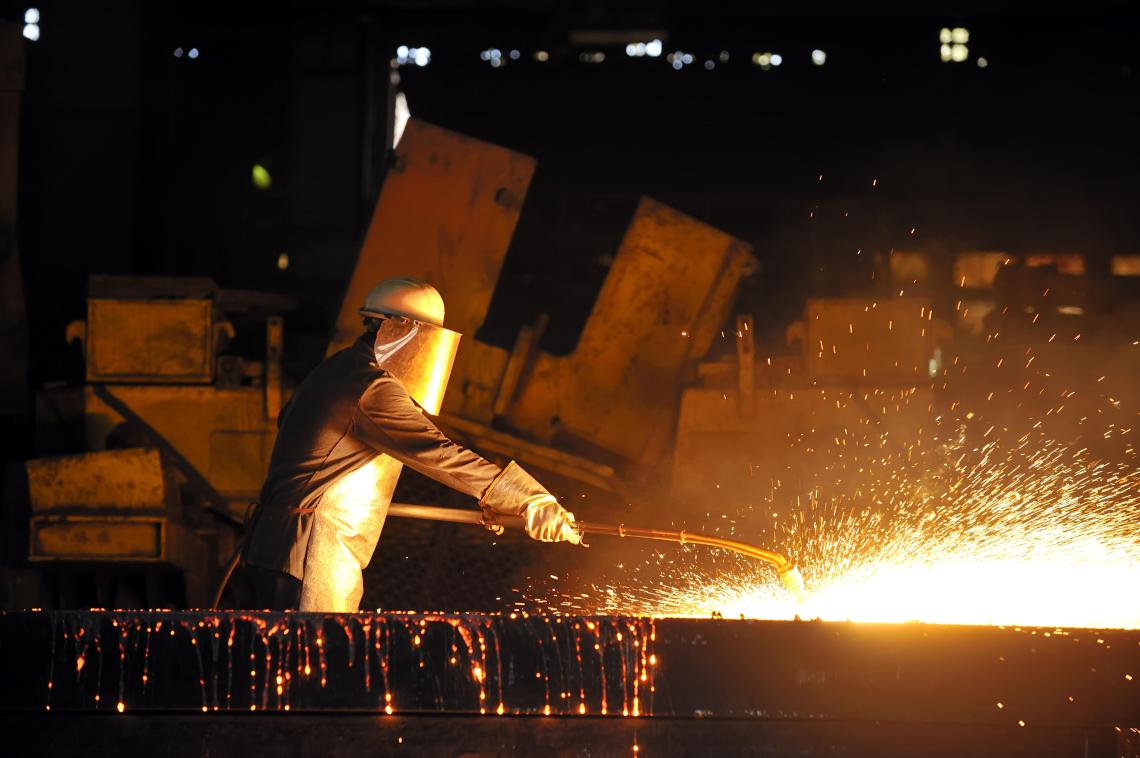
389,341
419,355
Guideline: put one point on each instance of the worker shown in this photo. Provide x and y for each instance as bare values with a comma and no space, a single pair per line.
344,437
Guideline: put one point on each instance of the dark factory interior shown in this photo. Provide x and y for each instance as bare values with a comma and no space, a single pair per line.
504,377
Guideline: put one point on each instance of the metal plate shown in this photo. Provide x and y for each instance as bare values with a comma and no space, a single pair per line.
665,299
123,480
157,341
85,538
446,214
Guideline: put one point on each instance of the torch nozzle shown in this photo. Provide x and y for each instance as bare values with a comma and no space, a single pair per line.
793,581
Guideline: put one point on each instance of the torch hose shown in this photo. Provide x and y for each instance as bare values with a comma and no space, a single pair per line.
786,569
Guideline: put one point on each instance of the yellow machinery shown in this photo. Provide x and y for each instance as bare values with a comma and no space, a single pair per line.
164,411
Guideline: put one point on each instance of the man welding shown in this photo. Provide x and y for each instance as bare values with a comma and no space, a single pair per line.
344,437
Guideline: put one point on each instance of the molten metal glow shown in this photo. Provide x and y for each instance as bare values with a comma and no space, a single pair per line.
1036,535
1005,492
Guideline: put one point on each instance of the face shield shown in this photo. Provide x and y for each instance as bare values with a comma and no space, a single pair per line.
419,355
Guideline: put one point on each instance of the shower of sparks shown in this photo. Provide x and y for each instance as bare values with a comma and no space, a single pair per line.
1023,511
1034,536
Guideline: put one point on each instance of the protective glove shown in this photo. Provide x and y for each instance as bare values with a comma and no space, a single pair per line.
547,521
516,493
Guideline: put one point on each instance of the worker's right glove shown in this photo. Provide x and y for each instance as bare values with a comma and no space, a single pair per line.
516,493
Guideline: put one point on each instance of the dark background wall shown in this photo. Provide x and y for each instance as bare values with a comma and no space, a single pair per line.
134,160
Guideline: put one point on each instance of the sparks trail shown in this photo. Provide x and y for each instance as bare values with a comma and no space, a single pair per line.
491,664
1033,534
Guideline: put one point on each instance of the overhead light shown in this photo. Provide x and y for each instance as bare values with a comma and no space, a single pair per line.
419,56
952,45
818,57
32,16
767,60
32,32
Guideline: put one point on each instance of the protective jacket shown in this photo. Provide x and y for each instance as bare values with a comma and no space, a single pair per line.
345,415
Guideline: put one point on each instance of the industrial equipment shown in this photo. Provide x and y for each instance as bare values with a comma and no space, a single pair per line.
178,431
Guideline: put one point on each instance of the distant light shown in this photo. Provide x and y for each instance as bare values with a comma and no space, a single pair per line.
710,65
402,52
32,32
596,56
260,176
653,48
952,44
422,56
193,52
631,50
496,62
763,60
777,59
32,16
1071,310
723,56
687,58
178,52
677,64
982,62
515,55
541,56
485,55
818,57
283,261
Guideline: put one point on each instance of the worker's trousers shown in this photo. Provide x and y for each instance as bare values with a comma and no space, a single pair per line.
346,527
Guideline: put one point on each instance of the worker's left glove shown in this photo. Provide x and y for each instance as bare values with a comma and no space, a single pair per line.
547,521
516,493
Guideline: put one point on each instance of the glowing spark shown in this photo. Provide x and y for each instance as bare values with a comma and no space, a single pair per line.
1035,534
